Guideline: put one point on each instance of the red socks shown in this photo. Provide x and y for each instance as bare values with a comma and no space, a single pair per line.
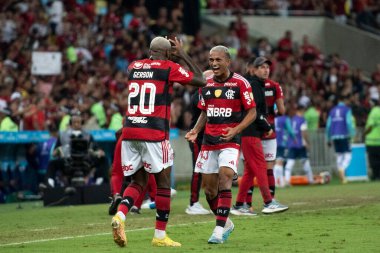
163,208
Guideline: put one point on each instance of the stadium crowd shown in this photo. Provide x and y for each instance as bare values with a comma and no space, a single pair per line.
99,40
361,13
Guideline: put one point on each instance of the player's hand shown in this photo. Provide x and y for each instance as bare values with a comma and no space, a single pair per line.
191,136
228,134
269,133
100,153
177,49
58,152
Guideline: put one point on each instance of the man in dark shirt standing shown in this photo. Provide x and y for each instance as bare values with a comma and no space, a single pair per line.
254,162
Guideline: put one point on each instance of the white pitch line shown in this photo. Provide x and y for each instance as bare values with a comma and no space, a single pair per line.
98,234
42,229
143,229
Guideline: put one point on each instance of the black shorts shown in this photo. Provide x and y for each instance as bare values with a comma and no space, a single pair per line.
342,145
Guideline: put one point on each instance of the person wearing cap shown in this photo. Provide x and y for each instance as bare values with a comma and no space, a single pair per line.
145,147
340,128
254,160
274,98
228,107
6,123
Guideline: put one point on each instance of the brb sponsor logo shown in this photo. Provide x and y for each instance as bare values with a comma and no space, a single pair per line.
219,112
138,120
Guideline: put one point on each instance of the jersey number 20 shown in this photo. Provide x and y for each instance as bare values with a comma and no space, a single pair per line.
134,90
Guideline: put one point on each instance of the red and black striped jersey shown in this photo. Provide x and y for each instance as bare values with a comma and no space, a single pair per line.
273,91
225,105
150,85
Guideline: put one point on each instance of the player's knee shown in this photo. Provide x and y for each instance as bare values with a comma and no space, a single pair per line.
210,192
225,180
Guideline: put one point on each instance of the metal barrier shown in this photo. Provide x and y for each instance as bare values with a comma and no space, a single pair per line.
322,157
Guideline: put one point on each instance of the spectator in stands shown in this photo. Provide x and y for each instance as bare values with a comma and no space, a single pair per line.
340,129
241,28
263,48
339,11
372,140
6,123
116,119
376,75
312,115
56,12
309,52
285,46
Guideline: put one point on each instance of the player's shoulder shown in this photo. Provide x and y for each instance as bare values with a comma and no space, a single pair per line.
271,83
210,78
240,80
137,64
151,64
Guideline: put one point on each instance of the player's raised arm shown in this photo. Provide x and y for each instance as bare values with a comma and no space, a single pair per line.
198,79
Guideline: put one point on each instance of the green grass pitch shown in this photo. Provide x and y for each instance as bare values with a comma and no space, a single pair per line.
328,218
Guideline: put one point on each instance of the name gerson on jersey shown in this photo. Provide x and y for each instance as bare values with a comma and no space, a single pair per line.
143,74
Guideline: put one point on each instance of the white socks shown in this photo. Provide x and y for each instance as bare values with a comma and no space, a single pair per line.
288,170
218,231
308,171
159,234
121,215
278,172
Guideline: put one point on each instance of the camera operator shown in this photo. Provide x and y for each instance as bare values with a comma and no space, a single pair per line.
76,155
